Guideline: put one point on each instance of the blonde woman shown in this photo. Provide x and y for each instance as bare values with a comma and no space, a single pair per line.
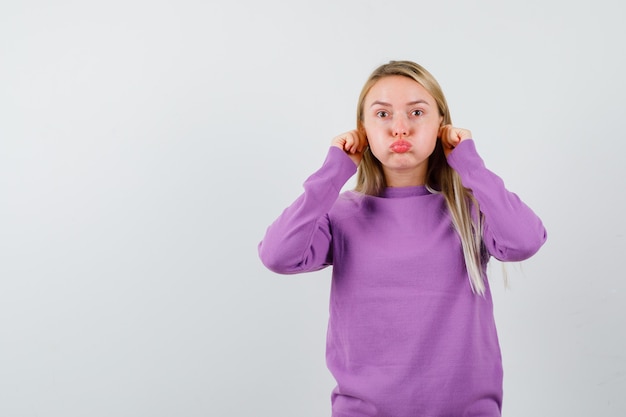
411,328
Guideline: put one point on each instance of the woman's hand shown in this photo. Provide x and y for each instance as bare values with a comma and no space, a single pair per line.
451,137
352,143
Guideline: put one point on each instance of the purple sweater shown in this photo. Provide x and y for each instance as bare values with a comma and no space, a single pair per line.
406,335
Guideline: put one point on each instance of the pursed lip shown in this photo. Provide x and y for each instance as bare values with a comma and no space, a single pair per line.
400,146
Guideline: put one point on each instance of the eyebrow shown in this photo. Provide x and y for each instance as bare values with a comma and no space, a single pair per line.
411,103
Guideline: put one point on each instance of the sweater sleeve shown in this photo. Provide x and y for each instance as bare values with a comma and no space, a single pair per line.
512,231
299,240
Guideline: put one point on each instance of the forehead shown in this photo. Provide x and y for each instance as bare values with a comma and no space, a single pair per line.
398,89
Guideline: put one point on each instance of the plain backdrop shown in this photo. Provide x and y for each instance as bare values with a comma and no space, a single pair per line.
145,146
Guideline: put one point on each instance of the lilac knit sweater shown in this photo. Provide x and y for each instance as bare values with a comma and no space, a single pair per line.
406,335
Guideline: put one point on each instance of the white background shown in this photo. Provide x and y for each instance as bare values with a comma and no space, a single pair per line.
146,145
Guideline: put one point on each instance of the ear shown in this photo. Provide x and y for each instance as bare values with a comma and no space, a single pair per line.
361,129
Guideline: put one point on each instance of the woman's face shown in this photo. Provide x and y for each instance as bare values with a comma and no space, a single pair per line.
401,120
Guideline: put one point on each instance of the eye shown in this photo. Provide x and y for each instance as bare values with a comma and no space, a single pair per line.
417,112
382,113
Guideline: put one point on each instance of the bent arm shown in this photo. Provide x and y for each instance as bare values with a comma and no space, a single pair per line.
512,231
300,239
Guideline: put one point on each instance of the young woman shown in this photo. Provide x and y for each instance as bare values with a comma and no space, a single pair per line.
411,329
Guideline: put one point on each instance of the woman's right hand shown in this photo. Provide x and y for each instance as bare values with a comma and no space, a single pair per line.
353,143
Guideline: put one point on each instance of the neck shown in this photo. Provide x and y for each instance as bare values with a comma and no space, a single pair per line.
408,178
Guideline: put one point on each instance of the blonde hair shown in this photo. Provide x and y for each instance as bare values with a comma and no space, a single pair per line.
440,177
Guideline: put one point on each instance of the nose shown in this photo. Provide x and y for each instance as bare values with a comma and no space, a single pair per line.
400,127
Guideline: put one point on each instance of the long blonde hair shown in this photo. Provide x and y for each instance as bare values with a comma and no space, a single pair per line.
440,177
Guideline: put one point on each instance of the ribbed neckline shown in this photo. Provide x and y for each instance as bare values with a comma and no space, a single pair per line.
403,192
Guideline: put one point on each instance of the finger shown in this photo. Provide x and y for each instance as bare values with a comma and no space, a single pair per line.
464,134
349,142
357,140
344,141
453,138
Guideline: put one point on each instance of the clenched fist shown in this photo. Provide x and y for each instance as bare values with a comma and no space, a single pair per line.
451,137
352,143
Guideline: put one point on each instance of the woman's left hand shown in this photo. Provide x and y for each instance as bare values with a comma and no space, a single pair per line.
451,137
